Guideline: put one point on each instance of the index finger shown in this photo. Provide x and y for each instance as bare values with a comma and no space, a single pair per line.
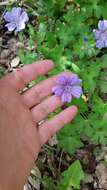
19,78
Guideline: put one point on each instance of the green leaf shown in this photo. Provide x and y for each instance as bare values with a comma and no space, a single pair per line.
51,39
103,86
27,57
41,32
72,177
75,68
103,61
70,144
104,11
81,104
90,74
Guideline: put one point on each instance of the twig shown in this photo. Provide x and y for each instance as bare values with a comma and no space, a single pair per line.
60,160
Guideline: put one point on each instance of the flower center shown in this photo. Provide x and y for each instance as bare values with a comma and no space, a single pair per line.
68,88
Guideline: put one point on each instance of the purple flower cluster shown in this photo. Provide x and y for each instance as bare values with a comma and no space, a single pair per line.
16,19
101,34
68,87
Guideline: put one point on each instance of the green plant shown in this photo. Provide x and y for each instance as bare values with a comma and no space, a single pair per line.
72,177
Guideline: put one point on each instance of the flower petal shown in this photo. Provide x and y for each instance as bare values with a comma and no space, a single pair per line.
11,26
57,90
102,25
24,17
100,44
97,34
8,17
76,91
66,97
16,12
62,80
105,43
74,80
20,26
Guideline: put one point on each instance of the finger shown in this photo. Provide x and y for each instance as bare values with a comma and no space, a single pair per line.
47,106
49,128
34,95
19,78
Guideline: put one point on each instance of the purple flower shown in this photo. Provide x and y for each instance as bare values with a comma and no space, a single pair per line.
101,34
68,87
16,19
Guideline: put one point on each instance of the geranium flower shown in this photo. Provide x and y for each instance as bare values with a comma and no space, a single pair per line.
16,19
68,87
101,34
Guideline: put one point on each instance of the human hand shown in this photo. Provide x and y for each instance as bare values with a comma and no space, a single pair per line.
20,137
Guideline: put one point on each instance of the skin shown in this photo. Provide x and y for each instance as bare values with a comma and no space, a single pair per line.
20,137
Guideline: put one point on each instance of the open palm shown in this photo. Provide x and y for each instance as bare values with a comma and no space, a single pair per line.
20,135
